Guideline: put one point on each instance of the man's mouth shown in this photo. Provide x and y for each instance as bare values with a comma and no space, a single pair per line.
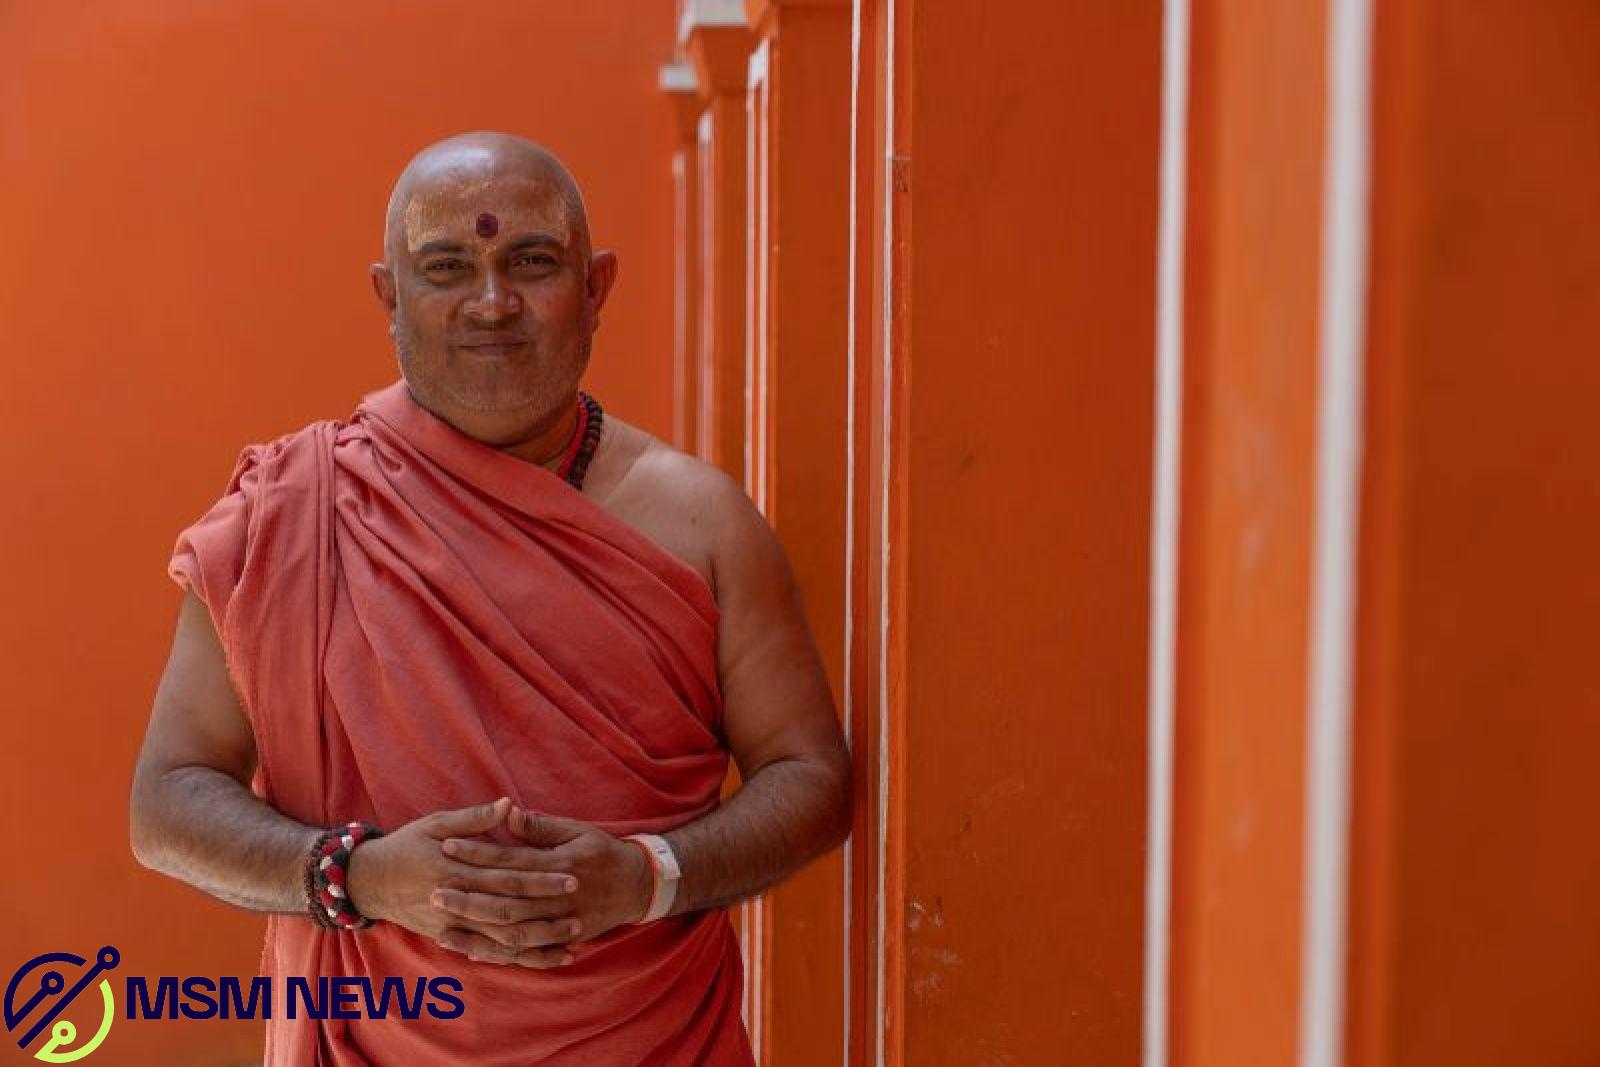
498,347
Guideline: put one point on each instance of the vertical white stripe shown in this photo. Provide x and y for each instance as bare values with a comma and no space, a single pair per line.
755,435
711,147
681,310
1165,509
758,926
744,955
883,585
846,984
707,378
1342,349
751,255
763,270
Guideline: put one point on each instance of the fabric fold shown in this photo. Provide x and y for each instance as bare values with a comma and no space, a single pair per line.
417,621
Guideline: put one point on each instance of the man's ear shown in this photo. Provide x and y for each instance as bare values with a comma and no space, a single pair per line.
602,276
383,286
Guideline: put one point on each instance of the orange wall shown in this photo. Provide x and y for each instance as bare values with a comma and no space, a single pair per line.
1255,157
1004,239
1475,933
1472,933
191,195
1022,331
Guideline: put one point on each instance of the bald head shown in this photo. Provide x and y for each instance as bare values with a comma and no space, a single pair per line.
453,175
491,286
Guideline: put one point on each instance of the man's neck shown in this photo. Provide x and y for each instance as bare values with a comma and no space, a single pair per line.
549,446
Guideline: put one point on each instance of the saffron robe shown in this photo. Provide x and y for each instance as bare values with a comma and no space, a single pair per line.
417,621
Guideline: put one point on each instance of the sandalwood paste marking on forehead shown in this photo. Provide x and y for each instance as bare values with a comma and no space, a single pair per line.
441,213
487,225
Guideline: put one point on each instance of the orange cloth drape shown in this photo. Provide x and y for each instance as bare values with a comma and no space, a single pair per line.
417,621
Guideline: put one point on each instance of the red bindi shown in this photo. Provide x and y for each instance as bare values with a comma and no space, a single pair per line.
488,225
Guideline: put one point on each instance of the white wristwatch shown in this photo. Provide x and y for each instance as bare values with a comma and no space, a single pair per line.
665,873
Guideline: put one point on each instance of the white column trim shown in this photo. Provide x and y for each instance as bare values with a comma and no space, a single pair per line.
884,548
852,274
678,78
757,180
710,14
705,145
1166,506
1341,354
681,194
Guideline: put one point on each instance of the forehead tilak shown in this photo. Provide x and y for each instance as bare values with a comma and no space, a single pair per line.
434,213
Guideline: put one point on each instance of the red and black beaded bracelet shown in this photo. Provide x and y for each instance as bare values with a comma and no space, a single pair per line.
309,880
328,871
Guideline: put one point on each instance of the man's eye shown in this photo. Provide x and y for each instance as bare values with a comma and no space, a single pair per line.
445,265
534,261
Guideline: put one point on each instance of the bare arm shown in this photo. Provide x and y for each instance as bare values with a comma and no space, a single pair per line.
193,816
191,813
786,815
794,802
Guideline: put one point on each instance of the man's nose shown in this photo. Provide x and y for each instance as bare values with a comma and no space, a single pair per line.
494,301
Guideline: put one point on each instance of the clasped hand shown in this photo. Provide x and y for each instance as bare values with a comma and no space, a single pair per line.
515,904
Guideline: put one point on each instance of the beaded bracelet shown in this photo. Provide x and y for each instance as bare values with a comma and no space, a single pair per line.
328,871
308,880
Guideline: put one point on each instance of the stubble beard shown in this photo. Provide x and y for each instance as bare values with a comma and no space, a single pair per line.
433,386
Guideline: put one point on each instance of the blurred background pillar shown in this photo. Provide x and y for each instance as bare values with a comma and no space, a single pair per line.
713,34
682,89
1250,323
1475,892
1387,715
796,284
1005,228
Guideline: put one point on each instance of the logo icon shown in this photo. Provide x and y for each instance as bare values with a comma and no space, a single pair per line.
50,983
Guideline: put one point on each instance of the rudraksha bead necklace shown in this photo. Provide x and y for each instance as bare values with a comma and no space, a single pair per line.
585,439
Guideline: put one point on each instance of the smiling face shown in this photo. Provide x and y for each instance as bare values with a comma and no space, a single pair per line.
492,292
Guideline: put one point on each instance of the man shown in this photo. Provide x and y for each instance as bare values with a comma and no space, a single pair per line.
506,631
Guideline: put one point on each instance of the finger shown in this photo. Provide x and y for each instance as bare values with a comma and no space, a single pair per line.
478,819
495,909
519,936
477,946
538,828
534,884
504,857
542,958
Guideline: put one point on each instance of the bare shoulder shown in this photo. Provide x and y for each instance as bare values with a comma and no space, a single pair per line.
688,506
773,683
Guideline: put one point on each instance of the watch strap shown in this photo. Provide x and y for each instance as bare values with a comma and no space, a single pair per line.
665,874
